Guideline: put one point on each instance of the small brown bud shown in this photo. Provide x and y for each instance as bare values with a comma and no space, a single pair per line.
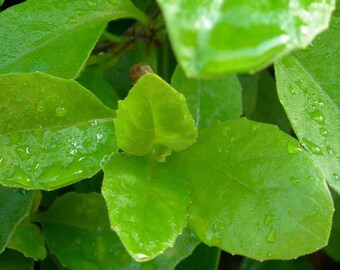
137,71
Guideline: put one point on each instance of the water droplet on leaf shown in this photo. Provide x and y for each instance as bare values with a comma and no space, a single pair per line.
271,236
318,117
92,4
323,132
60,111
294,180
293,148
330,150
312,147
269,219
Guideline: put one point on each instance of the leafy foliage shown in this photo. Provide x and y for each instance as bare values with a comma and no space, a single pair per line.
141,188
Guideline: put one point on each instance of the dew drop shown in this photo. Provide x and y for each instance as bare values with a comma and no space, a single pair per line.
318,117
2,109
294,180
60,111
99,136
271,236
336,177
92,4
141,256
293,148
291,90
330,150
113,2
41,106
269,219
323,132
313,148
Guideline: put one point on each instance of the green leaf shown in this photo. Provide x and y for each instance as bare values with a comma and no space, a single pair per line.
333,247
210,101
53,132
93,80
299,264
1,2
184,246
78,233
13,260
156,202
153,114
58,36
28,239
308,86
212,38
203,258
255,192
267,107
14,206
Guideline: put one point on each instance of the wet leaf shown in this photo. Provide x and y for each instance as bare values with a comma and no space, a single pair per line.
15,205
255,192
53,132
308,86
62,33
212,38
153,115
210,101
147,204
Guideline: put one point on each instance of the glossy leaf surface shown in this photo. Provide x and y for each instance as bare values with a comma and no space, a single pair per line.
53,132
13,260
308,84
153,114
333,247
147,204
61,35
210,101
255,192
14,206
212,38
28,239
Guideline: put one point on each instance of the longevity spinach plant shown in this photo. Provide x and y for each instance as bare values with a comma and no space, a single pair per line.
190,160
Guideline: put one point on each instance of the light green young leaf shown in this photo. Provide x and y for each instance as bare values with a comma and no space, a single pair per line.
78,232
308,87
1,2
15,205
56,36
299,264
333,247
203,258
28,239
156,202
53,132
215,37
255,192
13,260
210,101
153,115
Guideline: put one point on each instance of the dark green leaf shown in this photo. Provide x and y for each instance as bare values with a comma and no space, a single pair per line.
153,114
308,84
265,105
15,205
28,239
255,192
333,247
93,80
13,260
53,132
203,258
210,101
77,231
299,264
249,92
147,204
225,36
56,36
